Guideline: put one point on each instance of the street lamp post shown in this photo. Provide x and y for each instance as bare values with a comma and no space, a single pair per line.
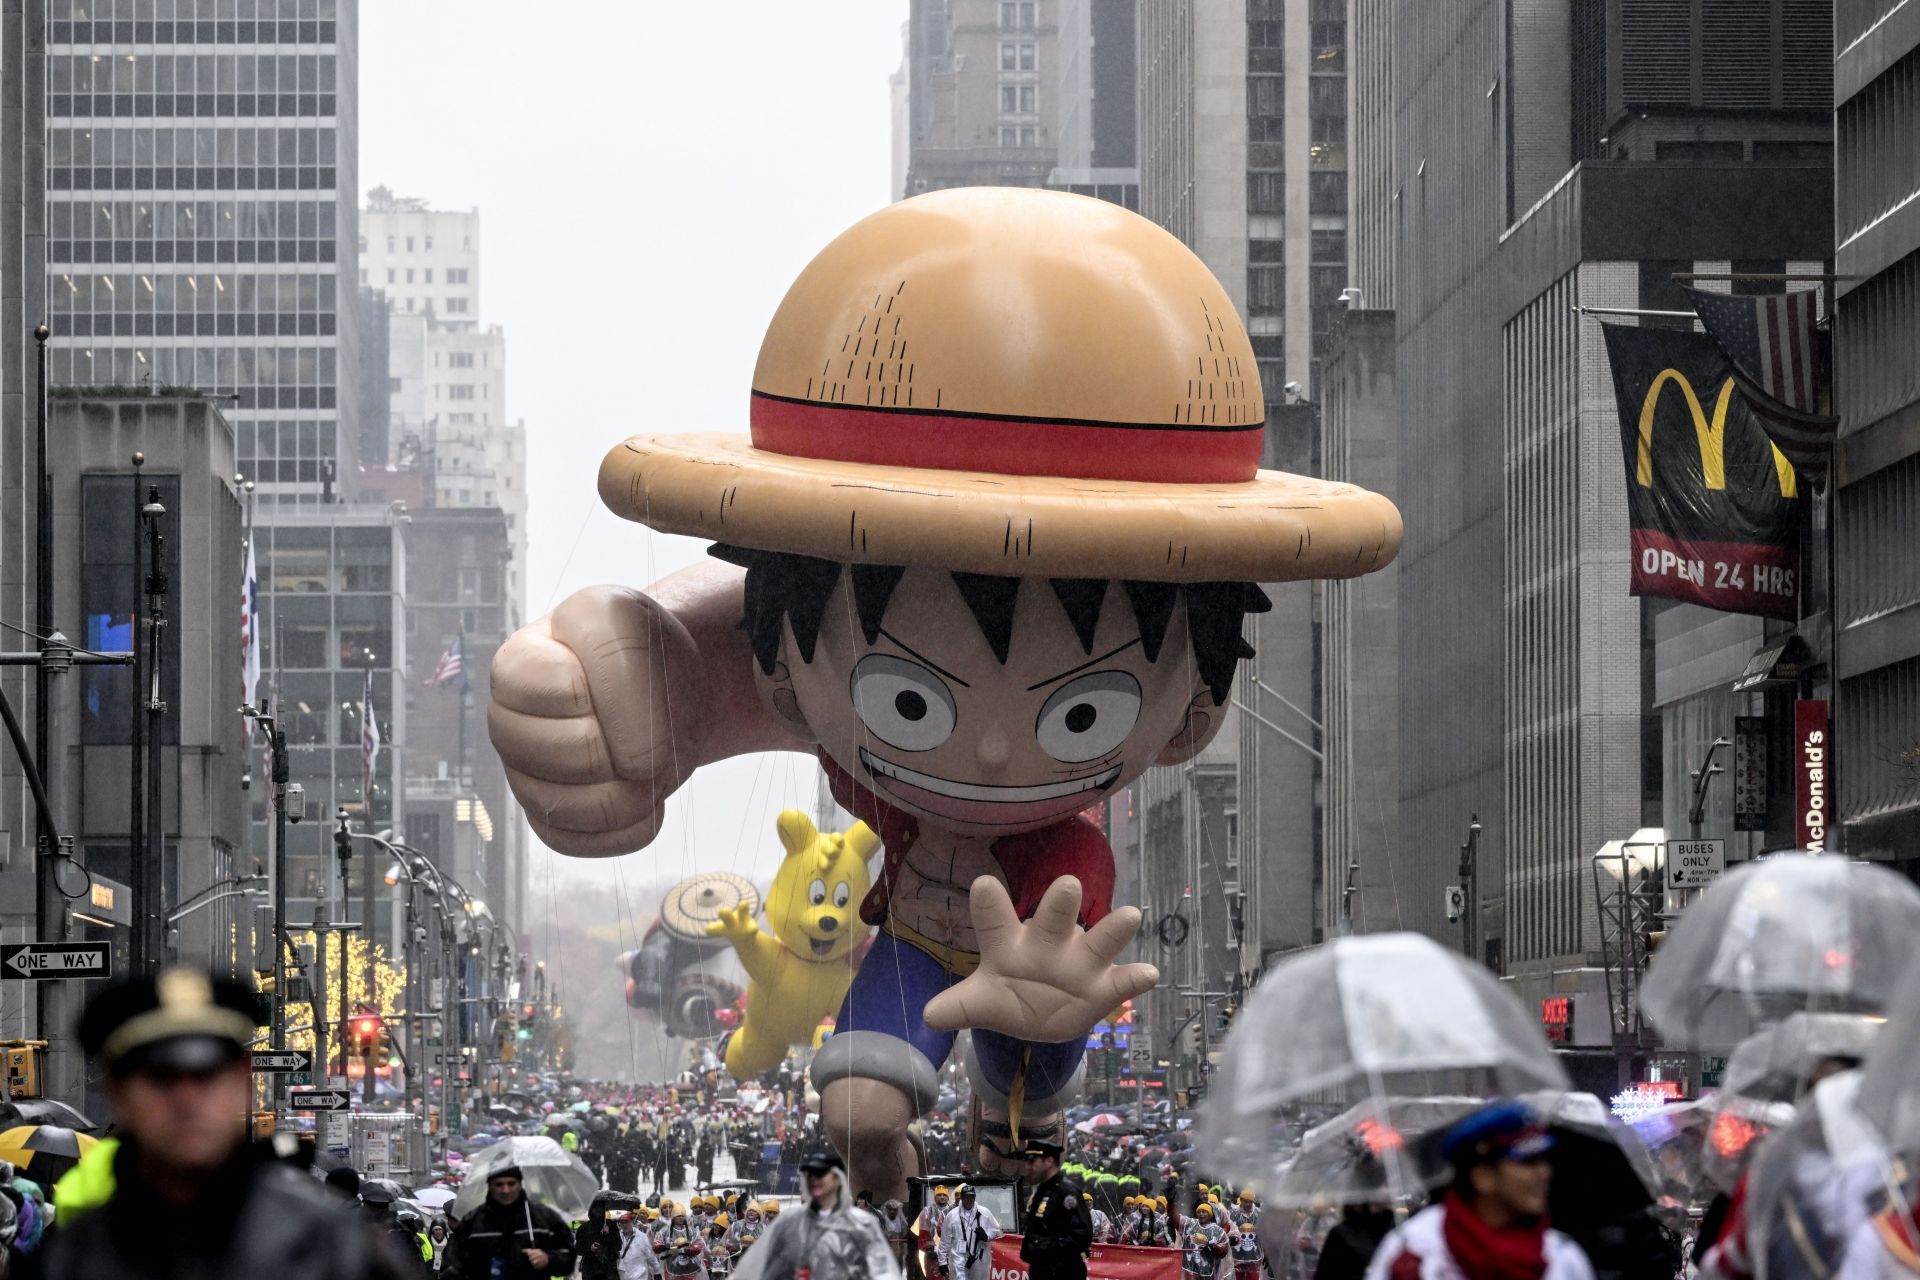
1470,879
277,793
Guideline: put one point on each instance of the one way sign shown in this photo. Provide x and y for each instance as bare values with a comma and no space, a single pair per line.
317,1100
41,960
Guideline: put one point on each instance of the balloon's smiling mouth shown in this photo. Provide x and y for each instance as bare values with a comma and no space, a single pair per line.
983,803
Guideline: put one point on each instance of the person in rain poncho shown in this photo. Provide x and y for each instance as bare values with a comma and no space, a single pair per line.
926,1230
827,1239
965,1234
893,1221
1243,1238
746,1232
1491,1224
1203,1243
1102,1224
682,1246
527,1241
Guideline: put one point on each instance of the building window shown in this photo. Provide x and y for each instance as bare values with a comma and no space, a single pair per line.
1028,58
409,244
1027,137
469,585
460,359
1009,99
1265,226
1266,192
428,279
1009,137
460,391
456,275
392,275
1009,57
1029,98
1327,193
457,306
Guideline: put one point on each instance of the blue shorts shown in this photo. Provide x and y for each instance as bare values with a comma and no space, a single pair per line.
889,996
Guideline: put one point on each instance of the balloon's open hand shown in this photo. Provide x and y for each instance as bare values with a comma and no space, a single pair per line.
1045,979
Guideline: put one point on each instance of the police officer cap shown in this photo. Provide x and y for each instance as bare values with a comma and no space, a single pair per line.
377,1192
178,1021
1500,1131
821,1161
1040,1148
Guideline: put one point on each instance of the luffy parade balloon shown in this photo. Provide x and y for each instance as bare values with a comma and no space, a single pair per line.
986,554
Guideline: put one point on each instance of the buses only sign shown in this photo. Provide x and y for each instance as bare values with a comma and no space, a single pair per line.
1695,864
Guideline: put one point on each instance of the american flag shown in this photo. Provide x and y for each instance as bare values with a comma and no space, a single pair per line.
249,629
452,667
369,742
1780,361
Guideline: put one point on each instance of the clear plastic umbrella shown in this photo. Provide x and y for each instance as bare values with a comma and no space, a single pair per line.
1788,933
1386,1015
1365,1155
1778,1064
551,1174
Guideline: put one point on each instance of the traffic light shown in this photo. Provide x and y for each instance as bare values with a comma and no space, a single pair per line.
364,1032
343,840
1190,1038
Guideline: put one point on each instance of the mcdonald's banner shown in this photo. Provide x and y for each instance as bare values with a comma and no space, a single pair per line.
1713,505
1106,1262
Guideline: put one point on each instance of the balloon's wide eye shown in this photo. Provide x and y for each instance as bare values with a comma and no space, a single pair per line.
1088,717
902,703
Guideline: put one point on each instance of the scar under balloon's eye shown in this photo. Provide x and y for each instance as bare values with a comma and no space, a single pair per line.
902,703
1089,717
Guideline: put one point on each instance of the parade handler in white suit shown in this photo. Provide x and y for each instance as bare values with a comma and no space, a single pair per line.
964,1235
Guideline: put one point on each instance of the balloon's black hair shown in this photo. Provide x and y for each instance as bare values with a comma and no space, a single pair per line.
784,588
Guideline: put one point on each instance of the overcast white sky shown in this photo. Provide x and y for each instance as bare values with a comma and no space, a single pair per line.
650,177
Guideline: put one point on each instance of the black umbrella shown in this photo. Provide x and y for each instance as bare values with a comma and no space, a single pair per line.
43,1111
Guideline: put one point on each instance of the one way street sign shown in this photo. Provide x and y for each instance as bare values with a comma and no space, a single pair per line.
281,1063
317,1100
42,960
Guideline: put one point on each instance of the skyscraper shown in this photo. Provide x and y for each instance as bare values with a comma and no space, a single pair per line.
980,82
1242,154
1877,393
201,217
202,232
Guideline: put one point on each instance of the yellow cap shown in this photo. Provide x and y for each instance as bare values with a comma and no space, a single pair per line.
1205,1207
1087,1196
941,1191
720,1220
1247,1196
1159,1202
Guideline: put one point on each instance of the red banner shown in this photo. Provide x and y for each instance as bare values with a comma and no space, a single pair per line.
1106,1262
1812,774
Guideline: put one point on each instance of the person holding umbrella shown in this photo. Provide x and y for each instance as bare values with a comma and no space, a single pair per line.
1491,1224
528,1241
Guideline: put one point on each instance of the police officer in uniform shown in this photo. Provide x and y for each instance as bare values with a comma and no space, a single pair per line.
180,1191
1058,1229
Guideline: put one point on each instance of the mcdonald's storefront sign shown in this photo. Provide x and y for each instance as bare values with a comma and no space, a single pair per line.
1713,506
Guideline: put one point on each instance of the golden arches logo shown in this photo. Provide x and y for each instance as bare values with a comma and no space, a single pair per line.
1710,434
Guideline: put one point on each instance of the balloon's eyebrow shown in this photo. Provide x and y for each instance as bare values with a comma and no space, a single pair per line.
1083,666
901,644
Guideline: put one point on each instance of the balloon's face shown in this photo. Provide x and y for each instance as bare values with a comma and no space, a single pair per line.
930,719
